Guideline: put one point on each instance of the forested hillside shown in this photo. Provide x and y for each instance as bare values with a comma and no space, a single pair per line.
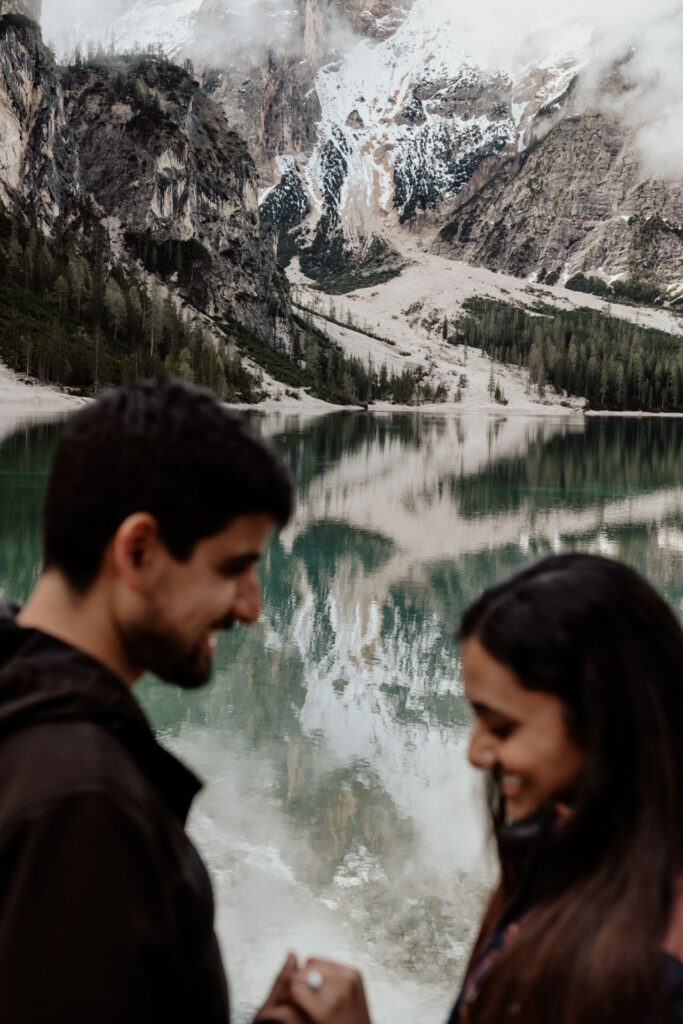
614,364
68,317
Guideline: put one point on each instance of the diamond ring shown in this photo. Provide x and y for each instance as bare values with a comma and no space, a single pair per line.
314,980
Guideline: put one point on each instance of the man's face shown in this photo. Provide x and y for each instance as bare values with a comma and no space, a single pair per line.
189,603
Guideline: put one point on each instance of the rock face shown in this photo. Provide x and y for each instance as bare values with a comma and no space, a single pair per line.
405,124
369,118
157,156
526,177
376,18
27,8
138,143
273,99
274,107
579,202
39,169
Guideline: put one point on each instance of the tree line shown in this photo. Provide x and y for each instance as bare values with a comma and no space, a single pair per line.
347,380
69,317
613,363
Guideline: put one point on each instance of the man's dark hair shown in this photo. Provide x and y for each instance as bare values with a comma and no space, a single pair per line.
161,447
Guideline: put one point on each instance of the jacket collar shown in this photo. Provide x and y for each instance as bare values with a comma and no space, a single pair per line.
43,679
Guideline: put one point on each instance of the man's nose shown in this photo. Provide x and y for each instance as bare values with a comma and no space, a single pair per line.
482,749
247,607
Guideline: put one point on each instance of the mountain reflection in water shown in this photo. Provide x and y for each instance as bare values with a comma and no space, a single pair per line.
340,816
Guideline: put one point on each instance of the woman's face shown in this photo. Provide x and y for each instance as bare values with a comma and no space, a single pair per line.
521,734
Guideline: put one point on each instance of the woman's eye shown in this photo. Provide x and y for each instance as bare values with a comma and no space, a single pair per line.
502,730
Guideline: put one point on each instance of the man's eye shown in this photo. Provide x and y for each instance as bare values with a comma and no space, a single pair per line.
233,569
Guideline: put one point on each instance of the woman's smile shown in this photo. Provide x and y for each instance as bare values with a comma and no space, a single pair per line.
518,733
510,785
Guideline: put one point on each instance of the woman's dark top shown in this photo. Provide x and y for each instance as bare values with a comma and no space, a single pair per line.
519,837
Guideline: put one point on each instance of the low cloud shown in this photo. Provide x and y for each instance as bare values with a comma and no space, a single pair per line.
208,29
648,37
654,98
507,36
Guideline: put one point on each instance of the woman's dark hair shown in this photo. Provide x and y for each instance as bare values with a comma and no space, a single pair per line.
161,447
593,633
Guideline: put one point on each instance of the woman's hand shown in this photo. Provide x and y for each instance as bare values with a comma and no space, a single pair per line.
329,993
320,992
277,1008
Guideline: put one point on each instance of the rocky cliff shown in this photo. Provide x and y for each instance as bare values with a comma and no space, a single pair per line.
368,119
139,144
360,116
577,201
39,167
405,124
160,161
272,96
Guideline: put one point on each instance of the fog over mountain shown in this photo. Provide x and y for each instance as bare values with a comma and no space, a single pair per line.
504,36
367,118
511,34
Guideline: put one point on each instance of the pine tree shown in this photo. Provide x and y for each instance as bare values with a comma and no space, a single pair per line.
155,317
15,252
61,290
115,306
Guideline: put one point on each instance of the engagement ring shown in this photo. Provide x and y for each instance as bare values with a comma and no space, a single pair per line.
315,980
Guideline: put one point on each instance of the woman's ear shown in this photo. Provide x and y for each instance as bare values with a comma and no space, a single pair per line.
135,548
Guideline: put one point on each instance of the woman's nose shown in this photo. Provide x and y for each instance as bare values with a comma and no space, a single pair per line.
482,749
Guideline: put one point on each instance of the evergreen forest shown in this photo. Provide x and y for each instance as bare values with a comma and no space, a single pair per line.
614,364
70,316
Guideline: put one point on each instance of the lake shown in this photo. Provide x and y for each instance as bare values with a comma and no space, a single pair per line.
340,816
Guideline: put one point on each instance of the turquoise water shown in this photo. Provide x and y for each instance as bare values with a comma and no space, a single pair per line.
340,816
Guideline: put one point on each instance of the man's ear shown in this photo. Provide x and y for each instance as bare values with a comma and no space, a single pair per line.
134,548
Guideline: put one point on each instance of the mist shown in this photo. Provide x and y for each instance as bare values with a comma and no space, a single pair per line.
508,36
207,30
654,100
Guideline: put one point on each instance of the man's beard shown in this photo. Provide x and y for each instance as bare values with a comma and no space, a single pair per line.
159,651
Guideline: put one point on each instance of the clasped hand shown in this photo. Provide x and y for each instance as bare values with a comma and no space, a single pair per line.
338,996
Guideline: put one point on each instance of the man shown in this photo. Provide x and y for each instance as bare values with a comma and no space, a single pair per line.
159,505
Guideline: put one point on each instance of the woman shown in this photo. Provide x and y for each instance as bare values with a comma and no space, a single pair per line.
574,669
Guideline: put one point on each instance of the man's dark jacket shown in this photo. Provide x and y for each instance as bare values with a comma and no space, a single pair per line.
106,910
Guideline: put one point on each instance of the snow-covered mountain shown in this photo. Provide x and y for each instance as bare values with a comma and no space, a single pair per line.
371,119
122,25
405,125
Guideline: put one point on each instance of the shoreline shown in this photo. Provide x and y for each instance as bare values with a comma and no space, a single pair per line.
291,407
21,401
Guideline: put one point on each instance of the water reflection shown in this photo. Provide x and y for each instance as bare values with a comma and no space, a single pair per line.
341,816
25,455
